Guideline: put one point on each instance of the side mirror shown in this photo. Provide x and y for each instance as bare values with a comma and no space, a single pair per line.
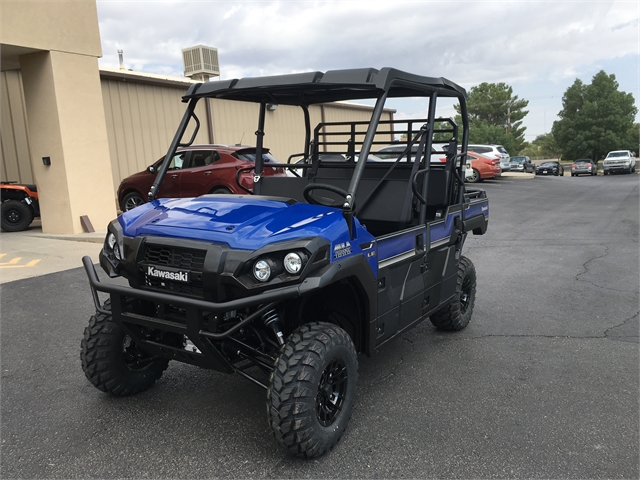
151,169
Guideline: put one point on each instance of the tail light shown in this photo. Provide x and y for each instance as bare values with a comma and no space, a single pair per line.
574,166
589,165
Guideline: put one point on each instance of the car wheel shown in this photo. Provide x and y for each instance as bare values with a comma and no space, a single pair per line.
457,313
221,191
475,178
16,216
113,362
131,201
312,389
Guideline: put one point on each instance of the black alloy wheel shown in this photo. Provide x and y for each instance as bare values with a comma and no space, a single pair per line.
332,390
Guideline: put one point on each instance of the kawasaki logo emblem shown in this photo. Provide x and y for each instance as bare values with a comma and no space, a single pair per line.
167,275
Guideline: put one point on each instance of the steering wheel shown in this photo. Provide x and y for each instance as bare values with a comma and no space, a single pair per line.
322,186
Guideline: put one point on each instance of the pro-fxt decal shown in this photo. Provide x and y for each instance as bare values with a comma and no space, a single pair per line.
341,249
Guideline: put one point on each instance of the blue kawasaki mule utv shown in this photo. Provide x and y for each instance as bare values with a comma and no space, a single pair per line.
287,284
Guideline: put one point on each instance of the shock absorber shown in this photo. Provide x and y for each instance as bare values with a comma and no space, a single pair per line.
271,319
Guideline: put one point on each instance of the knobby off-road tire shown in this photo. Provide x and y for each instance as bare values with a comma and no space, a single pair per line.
456,314
312,389
111,360
16,216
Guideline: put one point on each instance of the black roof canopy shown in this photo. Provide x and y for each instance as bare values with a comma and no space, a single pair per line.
316,87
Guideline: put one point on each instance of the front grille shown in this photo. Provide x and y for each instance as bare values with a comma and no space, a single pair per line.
188,259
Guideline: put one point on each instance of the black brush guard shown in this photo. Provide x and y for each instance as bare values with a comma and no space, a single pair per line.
190,325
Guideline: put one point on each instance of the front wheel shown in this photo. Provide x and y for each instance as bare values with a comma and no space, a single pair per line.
220,191
113,362
457,313
312,389
131,201
16,216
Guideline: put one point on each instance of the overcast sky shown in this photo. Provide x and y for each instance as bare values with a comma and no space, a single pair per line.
537,47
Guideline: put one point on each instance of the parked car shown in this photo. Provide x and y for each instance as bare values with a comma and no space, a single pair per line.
521,163
493,151
550,168
198,170
483,167
619,161
584,166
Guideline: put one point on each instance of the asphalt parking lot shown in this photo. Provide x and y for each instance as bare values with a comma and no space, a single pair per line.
543,383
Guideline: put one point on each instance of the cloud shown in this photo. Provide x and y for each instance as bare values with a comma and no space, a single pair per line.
469,42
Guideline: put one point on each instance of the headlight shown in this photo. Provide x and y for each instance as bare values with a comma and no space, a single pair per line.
293,263
262,270
112,243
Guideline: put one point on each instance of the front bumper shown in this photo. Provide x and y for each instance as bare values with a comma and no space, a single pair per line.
617,168
192,323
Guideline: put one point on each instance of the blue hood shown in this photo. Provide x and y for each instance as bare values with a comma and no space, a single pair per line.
242,222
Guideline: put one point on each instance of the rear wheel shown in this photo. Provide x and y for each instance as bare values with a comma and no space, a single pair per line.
16,216
475,178
312,389
457,313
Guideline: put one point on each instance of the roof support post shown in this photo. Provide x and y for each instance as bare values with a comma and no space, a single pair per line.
364,152
259,139
174,145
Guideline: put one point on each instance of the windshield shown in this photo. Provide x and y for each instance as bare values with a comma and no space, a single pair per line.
617,154
517,160
580,162
548,164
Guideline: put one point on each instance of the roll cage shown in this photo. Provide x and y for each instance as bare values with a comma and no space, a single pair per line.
312,88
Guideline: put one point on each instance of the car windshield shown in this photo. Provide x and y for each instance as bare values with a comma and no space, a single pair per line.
617,154
517,159
548,164
580,162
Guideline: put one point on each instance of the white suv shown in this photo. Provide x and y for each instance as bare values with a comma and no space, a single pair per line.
493,151
619,161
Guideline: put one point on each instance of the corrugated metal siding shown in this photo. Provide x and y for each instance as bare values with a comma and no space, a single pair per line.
142,118
15,155
141,121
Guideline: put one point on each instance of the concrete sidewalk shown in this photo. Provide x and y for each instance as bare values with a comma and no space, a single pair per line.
32,253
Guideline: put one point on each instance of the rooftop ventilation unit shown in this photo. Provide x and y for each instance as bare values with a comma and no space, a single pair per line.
200,62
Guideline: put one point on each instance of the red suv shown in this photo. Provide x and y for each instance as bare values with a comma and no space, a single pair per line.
197,170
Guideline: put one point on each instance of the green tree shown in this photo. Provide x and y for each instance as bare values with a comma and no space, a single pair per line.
595,119
495,116
543,146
